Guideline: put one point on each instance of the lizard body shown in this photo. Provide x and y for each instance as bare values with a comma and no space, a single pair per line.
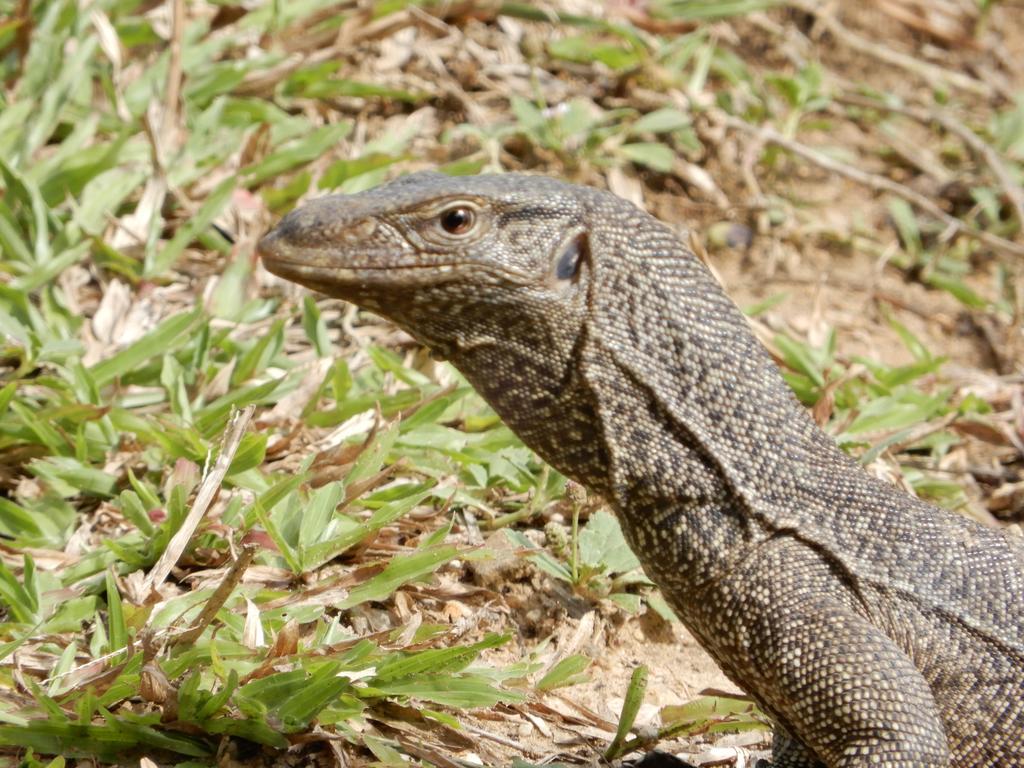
876,629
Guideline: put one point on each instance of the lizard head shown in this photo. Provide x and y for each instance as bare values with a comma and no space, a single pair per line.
451,259
557,302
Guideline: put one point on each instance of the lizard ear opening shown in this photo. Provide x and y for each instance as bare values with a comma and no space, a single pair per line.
574,252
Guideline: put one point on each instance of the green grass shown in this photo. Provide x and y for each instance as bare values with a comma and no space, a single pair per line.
135,327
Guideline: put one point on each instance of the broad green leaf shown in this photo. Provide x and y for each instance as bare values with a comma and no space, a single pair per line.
322,688
21,600
801,357
166,337
628,602
958,289
74,75
211,420
436,660
527,114
661,121
906,224
116,629
541,557
602,544
399,571
16,522
21,189
385,752
568,671
698,714
464,691
191,228
340,88
69,477
630,707
317,513
702,10
229,296
297,152
48,272
320,552
250,454
256,359
70,615
372,458
897,412
616,56
343,170
102,196
315,327
658,157
109,741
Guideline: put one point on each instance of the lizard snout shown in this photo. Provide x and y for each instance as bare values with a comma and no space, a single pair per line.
272,248
326,230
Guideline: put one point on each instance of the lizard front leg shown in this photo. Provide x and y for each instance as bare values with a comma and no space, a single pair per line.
848,693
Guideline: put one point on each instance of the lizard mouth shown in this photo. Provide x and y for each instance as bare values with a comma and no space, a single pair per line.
287,256
319,269
297,267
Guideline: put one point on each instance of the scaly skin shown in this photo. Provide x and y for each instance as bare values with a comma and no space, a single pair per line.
876,629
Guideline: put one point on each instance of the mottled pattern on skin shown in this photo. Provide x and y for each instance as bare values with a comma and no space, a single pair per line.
876,629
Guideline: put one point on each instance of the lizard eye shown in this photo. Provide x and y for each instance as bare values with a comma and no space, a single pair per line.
457,220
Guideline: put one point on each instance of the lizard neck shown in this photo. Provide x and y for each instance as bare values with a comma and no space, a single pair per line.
682,488
702,449
687,504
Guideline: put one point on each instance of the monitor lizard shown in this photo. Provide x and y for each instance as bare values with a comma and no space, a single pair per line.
874,628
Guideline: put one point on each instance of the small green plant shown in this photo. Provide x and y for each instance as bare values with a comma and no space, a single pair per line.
581,129
594,559
937,266
699,10
630,708
804,93
871,407
707,714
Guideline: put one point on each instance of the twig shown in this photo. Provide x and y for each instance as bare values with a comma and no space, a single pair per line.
929,72
751,153
1013,191
947,15
920,432
219,596
207,492
172,97
871,180
426,752
23,24
497,738
308,49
